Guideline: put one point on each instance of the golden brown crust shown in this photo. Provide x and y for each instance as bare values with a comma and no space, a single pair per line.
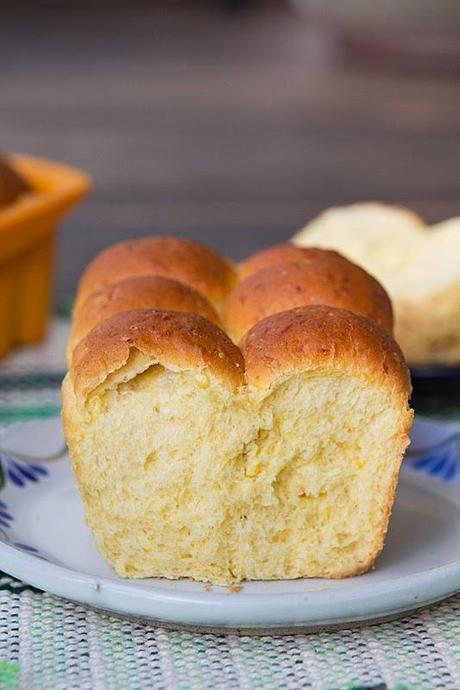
141,292
188,262
327,278
315,337
279,254
173,339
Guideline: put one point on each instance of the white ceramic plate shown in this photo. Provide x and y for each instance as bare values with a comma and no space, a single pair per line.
45,542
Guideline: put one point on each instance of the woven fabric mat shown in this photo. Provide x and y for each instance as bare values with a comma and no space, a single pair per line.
47,643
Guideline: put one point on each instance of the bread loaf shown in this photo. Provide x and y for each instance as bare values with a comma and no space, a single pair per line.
419,266
197,458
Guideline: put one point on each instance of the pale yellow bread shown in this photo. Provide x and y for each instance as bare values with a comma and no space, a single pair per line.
378,237
435,262
323,278
141,292
188,262
190,467
427,298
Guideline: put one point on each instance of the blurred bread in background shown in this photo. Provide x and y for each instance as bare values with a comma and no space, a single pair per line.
427,297
418,265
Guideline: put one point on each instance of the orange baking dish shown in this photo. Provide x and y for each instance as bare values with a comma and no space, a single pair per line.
27,243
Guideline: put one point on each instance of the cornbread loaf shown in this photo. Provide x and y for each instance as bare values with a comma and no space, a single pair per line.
198,458
419,266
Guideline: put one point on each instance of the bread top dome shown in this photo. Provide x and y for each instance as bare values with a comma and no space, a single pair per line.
323,338
139,292
321,278
279,254
130,342
188,262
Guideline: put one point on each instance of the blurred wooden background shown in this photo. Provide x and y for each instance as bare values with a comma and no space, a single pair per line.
232,127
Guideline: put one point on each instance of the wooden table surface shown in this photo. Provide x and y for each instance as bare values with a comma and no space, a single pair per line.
230,128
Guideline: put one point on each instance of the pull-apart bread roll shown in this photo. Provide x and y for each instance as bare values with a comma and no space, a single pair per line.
190,263
141,292
195,458
324,278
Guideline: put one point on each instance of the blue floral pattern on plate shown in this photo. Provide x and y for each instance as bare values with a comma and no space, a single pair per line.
5,516
441,460
20,474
